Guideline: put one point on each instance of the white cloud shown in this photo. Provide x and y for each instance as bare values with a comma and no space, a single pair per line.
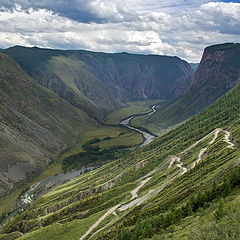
184,33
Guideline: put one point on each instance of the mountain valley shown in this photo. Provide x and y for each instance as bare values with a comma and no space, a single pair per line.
98,82
64,110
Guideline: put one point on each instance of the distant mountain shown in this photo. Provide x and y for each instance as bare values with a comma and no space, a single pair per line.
99,82
194,66
217,73
35,125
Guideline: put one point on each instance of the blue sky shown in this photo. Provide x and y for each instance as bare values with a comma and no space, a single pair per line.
171,27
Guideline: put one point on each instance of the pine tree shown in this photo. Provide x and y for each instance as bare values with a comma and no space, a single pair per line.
214,190
219,213
227,188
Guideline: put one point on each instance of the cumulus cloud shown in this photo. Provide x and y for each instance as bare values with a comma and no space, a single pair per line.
221,16
114,26
80,10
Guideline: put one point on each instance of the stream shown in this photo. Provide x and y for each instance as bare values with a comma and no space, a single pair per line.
147,136
41,187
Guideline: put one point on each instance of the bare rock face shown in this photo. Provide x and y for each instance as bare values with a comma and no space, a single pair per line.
217,73
140,76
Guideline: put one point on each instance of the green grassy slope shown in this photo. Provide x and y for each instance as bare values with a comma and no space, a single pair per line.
217,73
35,124
178,179
90,94
66,76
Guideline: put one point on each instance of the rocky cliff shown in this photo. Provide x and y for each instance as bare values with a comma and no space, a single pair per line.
217,73
140,76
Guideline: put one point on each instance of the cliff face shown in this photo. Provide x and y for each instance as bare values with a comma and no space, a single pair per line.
217,73
140,77
98,82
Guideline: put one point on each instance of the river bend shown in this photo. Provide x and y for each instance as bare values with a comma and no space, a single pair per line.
147,136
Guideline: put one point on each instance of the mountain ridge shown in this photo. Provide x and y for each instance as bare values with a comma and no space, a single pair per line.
160,191
102,82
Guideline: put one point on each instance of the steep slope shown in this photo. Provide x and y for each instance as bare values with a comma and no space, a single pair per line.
158,190
218,72
35,124
140,76
98,82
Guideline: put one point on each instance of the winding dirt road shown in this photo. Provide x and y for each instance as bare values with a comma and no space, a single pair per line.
135,191
122,208
227,139
109,212
216,132
136,201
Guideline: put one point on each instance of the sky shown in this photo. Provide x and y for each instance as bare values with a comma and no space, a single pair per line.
180,28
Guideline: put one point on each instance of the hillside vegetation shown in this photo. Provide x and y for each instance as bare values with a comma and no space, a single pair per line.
134,108
169,189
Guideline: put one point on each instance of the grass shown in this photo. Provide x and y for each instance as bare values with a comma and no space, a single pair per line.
203,224
72,230
105,187
119,136
151,126
151,122
8,201
116,136
133,108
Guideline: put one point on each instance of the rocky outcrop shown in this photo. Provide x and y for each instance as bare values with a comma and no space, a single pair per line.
217,73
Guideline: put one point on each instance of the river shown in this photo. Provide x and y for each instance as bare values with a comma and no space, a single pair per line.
147,136
46,184
42,187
